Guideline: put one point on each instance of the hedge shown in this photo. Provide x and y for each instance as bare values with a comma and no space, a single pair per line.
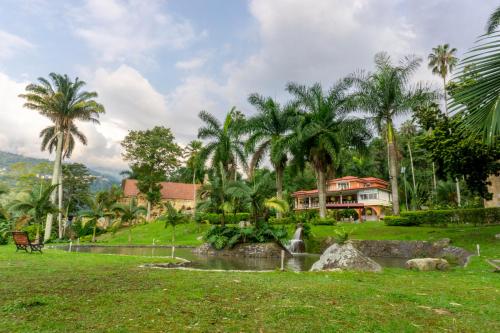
214,218
475,216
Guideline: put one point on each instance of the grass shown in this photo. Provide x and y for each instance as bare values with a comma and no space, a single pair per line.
82,292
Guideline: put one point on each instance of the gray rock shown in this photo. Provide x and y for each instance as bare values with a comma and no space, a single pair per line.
497,236
427,264
345,257
255,250
442,242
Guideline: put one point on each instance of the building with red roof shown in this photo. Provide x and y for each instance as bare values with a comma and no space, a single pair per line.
180,195
368,196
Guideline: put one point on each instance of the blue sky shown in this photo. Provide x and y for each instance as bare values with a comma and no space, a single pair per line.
160,62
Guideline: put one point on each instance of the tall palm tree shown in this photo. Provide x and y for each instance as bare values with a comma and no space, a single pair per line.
225,146
324,129
37,205
63,102
386,94
267,130
442,60
49,142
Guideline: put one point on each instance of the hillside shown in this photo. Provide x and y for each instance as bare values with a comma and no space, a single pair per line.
103,181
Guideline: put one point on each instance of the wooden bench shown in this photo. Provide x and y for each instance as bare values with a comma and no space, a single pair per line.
23,242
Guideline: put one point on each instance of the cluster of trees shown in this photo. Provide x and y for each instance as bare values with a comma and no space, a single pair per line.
319,133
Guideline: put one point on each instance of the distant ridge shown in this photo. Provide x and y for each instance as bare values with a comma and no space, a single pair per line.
102,182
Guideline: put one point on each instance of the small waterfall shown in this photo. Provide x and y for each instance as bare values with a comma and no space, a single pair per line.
296,243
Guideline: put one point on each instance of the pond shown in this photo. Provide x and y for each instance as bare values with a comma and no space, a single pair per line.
299,262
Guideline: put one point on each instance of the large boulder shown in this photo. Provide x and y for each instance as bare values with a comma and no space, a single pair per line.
427,264
345,257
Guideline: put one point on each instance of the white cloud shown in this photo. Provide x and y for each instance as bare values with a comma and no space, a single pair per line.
129,29
11,44
192,63
19,127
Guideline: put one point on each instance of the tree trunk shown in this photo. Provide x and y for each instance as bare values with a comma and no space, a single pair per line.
459,197
55,176
445,98
60,203
93,234
148,214
393,170
279,188
173,242
322,193
413,178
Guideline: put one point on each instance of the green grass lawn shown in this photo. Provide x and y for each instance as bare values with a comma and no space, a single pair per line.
81,292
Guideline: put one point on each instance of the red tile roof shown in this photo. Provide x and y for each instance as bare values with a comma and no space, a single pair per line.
168,190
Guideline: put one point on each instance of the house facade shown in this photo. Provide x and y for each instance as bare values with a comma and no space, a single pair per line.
368,196
180,195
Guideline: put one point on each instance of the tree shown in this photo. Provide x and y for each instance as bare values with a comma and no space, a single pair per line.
442,60
36,204
78,179
96,211
173,217
386,94
63,102
477,98
458,154
153,156
267,130
225,146
324,129
493,21
128,214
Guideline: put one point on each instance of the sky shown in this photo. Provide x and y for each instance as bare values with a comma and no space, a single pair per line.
159,62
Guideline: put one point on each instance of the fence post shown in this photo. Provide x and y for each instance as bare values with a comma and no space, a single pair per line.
282,260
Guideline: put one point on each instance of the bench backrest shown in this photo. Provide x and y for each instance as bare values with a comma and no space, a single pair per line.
20,237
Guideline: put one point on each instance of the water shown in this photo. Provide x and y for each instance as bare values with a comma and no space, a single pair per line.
299,262
296,244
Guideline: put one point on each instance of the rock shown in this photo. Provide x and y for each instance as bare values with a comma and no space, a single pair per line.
442,242
345,257
254,250
427,264
497,236
244,224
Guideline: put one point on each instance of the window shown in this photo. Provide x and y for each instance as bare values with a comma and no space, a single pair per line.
343,186
368,196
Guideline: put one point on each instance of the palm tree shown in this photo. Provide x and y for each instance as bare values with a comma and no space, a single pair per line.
324,129
36,204
493,21
97,211
479,97
225,146
442,60
128,214
63,102
172,217
267,130
386,94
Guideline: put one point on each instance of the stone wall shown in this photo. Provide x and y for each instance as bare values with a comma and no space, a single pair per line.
255,250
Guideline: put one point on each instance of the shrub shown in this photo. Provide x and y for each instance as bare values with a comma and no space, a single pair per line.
228,236
444,217
283,220
396,221
323,221
214,218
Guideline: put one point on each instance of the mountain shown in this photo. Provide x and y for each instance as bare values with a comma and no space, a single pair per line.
103,180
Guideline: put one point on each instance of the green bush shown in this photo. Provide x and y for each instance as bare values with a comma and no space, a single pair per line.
283,220
323,221
228,236
444,217
396,221
214,218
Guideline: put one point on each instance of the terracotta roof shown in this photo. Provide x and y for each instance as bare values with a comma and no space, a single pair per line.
168,190
366,180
